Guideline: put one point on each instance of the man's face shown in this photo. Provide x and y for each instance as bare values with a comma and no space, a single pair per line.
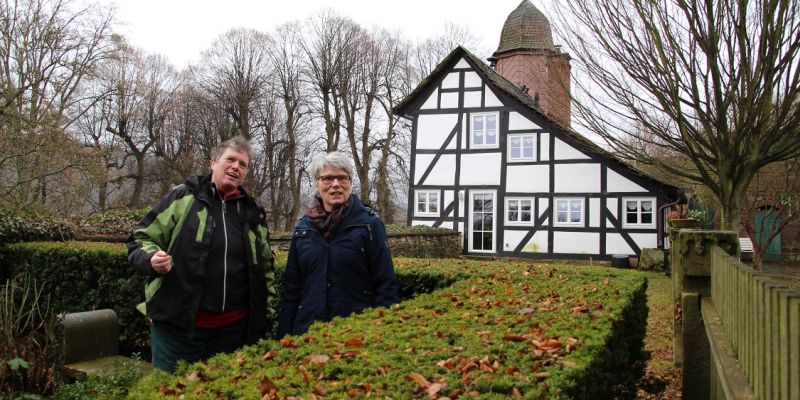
229,171
334,187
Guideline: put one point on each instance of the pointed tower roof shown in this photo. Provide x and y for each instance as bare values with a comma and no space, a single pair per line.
525,28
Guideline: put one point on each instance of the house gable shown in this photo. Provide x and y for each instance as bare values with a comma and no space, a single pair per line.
515,182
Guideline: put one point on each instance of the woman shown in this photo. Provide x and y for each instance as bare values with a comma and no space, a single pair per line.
339,261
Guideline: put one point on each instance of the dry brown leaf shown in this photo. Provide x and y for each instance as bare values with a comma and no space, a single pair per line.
355,342
268,390
318,359
419,379
269,355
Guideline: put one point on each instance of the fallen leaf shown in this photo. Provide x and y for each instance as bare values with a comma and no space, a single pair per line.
419,379
269,355
433,389
268,390
318,359
605,282
355,342
287,342
515,392
515,338
166,391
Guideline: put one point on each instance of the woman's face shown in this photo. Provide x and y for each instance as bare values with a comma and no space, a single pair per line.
334,186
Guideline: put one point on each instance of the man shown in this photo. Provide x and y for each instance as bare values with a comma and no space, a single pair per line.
205,248
339,261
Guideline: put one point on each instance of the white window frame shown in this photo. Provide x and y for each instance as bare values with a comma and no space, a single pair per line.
570,201
638,200
496,143
518,200
427,212
521,137
470,220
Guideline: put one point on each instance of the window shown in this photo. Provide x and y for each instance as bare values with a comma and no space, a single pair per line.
427,203
521,147
639,213
569,212
519,211
484,130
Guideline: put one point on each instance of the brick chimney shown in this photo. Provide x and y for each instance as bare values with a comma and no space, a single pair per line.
526,56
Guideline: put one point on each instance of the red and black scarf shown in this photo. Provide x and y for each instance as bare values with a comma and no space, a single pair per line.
326,221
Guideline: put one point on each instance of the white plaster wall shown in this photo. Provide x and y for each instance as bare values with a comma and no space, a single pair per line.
432,130
577,178
611,206
543,204
594,212
576,242
448,198
491,99
480,169
447,225
615,244
544,153
472,80
511,239
645,240
449,100
415,222
450,81
564,151
537,244
472,99
517,122
432,101
527,178
464,132
619,183
462,63
442,173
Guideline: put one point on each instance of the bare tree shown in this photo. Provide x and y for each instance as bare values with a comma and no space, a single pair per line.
714,82
329,49
287,86
47,49
235,73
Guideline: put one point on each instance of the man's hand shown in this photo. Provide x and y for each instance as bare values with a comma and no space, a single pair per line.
161,262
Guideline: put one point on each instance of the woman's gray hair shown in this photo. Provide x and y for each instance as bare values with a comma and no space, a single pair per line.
334,159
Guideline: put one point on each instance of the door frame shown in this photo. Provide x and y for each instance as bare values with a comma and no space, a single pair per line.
471,202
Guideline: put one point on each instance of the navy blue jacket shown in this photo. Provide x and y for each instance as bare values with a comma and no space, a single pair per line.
326,279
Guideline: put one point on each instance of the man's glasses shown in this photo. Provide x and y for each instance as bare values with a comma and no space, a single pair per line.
328,179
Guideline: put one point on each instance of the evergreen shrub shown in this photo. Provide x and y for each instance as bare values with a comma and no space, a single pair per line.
502,329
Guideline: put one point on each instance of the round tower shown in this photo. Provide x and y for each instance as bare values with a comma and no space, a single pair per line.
527,57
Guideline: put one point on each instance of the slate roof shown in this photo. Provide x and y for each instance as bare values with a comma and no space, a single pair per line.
515,93
525,28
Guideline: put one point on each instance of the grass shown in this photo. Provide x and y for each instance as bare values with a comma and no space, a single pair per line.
662,379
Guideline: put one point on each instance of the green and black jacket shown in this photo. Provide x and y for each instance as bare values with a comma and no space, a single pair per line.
183,224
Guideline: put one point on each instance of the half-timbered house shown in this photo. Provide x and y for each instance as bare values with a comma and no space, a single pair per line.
493,157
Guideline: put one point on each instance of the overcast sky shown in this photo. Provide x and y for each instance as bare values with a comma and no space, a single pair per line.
181,29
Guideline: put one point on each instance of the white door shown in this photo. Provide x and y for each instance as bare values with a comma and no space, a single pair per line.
482,221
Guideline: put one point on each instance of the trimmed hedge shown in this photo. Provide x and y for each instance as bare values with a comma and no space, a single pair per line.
466,328
84,276
24,226
510,329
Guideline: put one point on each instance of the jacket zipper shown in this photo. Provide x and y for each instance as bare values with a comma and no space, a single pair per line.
224,258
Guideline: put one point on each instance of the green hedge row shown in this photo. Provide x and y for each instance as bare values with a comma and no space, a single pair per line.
472,328
83,276
21,226
502,329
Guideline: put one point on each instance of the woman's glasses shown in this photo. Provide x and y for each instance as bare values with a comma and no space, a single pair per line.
328,179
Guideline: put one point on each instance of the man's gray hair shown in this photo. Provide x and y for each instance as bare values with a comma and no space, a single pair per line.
334,159
236,143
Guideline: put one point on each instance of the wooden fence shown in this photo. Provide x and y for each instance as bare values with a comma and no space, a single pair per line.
737,330
761,320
